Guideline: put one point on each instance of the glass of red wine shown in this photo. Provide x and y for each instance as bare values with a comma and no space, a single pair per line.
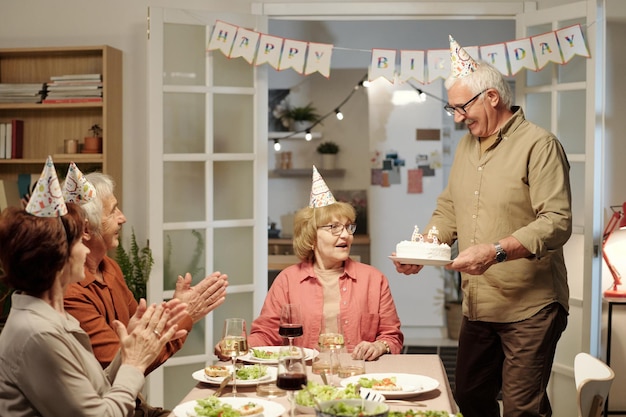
291,372
234,343
290,322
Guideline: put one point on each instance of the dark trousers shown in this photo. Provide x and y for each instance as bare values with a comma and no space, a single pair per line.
143,409
515,358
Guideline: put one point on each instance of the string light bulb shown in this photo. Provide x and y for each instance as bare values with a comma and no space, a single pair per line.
308,136
276,145
339,114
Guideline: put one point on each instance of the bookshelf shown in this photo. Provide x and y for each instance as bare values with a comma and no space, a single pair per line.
47,126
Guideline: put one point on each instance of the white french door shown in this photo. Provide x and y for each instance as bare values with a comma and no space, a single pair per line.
207,179
562,99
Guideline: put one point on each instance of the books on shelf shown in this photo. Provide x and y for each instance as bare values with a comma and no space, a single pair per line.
22,92
9,194
12,139
72,100
81,77
74,88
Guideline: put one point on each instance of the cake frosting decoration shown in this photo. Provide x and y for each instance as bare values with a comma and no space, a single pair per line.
420,248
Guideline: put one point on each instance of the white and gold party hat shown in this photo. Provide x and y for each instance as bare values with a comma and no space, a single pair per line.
46,199
76,188
461,63
320,194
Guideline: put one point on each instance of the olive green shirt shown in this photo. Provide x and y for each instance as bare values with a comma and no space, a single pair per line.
520,186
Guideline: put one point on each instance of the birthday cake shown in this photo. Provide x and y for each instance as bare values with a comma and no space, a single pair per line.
420,248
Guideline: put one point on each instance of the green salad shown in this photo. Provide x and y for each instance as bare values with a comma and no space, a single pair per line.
252,372
264,354
344,409
324,393
213,407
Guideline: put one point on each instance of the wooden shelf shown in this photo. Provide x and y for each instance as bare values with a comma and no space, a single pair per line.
47,126
298,136
293,173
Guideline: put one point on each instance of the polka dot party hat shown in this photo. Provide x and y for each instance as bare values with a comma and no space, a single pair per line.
320,194
76,188
461,63
46,199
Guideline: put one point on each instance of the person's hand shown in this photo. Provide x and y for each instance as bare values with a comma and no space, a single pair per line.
474,260
406,269
218,352
177,310
204,297
142,345
369,350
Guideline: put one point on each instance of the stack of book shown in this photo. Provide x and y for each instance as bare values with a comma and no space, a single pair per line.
11,139
75,88
22,92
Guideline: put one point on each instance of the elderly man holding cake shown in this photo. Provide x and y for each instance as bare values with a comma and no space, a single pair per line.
508,204
327,285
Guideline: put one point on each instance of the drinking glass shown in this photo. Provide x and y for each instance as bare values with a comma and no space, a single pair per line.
291,372
234,343
331,334
290,322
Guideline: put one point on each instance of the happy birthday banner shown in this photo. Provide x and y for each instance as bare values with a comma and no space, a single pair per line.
534,53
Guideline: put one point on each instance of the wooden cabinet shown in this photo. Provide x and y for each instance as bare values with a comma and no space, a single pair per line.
47,126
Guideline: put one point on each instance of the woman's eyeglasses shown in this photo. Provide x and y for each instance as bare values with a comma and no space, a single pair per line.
337,228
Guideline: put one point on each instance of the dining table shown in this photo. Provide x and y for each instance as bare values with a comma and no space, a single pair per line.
426,365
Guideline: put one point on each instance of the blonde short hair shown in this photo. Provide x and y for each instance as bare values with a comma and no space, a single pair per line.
308,219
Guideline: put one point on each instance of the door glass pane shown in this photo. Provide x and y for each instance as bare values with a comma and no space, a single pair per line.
181,374
183,123
183,251
233,185
233,132
572,128
194,344
537,109
543,77
577,176
231,72
576,68
234,240
236,305
183,191
184,65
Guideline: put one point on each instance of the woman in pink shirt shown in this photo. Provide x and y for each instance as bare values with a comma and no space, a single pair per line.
327,284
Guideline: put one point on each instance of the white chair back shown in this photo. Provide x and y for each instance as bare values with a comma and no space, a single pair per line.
593,382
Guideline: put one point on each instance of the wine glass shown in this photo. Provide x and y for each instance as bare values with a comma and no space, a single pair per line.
291,372
234,343
290,322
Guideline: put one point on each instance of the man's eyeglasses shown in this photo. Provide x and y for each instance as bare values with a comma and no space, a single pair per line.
461,109
337,228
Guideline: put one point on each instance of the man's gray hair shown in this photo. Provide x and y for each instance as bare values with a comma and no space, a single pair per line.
104,186
486,76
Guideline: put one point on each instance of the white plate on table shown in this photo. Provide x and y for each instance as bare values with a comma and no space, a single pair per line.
201,376
270,408
418,261
411,384
249,357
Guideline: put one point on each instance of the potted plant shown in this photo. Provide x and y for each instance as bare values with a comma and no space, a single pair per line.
301,118
136,264
329,151
93,142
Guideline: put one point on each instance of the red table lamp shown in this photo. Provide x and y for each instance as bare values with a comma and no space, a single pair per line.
618,219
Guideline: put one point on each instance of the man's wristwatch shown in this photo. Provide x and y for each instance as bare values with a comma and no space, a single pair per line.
500,253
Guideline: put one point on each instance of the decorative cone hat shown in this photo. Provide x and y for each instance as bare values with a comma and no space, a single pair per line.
76,188
320,194
47,197
461,63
